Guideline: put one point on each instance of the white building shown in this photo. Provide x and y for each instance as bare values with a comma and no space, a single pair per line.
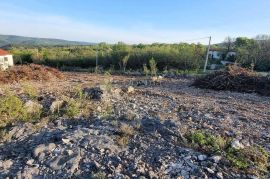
6,60
214,54
219,54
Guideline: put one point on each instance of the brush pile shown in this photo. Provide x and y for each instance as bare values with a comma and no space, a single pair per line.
29,72
235,78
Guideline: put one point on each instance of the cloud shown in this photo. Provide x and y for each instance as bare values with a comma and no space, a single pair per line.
21,22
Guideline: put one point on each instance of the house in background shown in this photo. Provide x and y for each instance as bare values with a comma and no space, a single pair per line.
220,54
221,57
6,60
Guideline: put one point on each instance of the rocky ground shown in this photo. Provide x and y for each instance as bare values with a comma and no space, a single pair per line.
135,130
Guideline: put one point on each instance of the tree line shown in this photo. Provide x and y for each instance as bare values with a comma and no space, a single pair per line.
183,56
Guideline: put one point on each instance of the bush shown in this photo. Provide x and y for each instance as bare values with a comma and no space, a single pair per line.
153,67
250,159
72,108
206,142
253,159
30,90
12,110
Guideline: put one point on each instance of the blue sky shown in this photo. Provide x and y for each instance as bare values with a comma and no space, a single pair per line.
135,21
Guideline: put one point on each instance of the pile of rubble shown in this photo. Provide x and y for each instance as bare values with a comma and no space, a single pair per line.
29,72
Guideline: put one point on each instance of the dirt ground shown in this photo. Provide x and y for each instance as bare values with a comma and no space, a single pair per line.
221,111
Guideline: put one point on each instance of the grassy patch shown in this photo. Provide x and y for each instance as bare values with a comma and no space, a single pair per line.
98,175
250,160
206,142
72,108
12,109
29,90
126,131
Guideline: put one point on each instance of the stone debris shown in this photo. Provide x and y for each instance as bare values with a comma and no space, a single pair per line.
236,144
153,145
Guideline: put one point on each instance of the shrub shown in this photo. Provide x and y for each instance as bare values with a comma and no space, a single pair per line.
72,108
30,90
126,131
145,70
253,159
250,159
153,67
206,142
12,110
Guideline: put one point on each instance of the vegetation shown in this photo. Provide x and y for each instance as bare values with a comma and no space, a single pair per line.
126,131
12,109
119,56
250,159
251,53
206,142
29,90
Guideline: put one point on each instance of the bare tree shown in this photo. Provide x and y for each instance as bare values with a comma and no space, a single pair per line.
229,43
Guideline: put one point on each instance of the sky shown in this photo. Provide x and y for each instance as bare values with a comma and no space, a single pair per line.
135,21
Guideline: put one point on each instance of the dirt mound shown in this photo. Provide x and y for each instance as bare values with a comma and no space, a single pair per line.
235,78
29,72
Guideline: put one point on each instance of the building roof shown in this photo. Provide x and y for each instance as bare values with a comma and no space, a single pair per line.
3,52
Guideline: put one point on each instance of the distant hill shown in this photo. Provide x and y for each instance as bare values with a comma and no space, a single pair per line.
7,40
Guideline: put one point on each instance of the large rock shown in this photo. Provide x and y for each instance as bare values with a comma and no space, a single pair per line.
236,144
32,107
56,106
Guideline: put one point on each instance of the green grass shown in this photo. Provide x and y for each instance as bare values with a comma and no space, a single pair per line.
72,108
29,90
206,142
12,109
250,160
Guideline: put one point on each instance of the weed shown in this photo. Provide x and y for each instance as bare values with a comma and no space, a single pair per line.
29,90
125,61
153,67
122,140
253,159
137,125
72,108
146,71
126,129
206,142
99,175
114,123
79,93
11,109
107,109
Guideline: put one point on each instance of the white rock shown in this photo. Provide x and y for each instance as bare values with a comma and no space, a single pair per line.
216,158
56,106
65,141
32,107
209,170
7,164
130,89
219,175
30,162
202,157
236,144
